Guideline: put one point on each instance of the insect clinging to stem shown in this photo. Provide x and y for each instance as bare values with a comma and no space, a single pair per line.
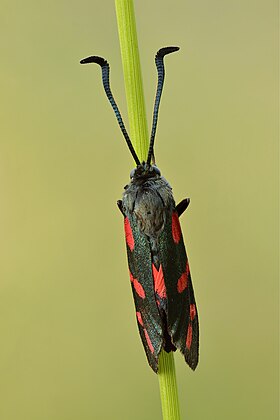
159,271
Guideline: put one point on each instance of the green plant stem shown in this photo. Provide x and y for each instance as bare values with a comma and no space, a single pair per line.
168,386
132,77
139,137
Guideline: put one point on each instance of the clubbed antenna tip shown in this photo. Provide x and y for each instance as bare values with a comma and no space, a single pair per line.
94,59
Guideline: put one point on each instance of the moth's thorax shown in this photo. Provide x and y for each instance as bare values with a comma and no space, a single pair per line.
149,199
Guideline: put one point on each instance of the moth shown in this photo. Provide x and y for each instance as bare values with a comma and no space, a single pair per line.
159,270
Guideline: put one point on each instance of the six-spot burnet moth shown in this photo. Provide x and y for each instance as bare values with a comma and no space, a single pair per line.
158,265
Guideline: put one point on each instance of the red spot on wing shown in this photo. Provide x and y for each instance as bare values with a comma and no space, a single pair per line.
137,286
189,332
139,317
139,289
192,311
149,341
176,228
128,234
189,336
183,280
159,284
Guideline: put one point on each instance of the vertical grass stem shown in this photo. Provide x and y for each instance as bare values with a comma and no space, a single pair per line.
132,77
139,137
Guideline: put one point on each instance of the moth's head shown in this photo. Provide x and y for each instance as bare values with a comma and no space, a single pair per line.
144,171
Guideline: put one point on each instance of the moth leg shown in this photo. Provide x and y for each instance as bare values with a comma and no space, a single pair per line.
182,206
119,204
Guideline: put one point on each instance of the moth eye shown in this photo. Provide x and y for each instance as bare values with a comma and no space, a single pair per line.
157,171
132,173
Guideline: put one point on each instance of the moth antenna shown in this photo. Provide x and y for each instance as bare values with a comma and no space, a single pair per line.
161,73
106,84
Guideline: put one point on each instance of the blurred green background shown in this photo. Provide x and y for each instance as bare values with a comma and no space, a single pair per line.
69,342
